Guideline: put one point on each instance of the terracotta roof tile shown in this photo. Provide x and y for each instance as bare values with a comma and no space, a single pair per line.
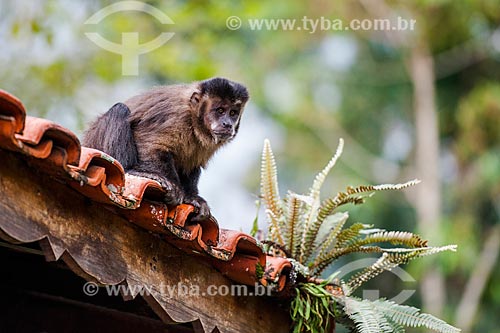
56,151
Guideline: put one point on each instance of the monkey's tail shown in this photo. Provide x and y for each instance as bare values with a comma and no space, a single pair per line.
112,134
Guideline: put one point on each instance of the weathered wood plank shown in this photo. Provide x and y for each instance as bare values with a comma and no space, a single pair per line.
103,247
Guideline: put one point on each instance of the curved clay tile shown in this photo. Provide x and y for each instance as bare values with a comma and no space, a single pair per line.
37,129
11,106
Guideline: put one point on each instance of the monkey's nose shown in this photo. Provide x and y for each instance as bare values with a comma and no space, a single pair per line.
226,125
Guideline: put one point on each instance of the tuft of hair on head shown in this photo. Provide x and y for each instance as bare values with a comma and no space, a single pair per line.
225,89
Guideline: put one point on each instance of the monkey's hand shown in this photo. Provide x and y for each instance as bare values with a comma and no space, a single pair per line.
201,208
174,194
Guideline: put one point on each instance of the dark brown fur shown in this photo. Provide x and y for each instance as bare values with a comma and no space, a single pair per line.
170,132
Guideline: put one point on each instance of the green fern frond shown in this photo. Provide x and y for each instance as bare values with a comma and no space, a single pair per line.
269,181
385,263
307,241
293,222
335,223
385,187
359,245
325,260
396,327
313,223
365,317
348,235
320,177
360,189
387,316
434,250
410,316
392,258
394,237
275,233
328,206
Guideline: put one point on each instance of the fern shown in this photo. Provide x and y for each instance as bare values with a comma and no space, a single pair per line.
293,210
306,241
394,237
329,205
274,227
349,234
321,177
392,258
337,222
367,320
269,181
314,221
386,316
324,259
323,262
312,234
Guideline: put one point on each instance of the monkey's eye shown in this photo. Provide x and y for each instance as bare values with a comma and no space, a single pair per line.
233,113
220,110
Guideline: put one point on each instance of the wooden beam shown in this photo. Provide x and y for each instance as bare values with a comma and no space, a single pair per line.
104,248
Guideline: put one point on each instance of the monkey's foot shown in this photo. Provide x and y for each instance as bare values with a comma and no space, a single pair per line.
174,194
201,208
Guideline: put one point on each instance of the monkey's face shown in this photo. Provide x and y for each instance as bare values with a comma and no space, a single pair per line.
219,104
223,119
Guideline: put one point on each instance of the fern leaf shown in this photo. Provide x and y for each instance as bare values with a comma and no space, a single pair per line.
385,187
312,224
386,316
410,316
275,234
385,263
320,177
335,223
293,222
307,242
390,259
394,237
365,316
324,261
269,181
326,210
348,235
329,205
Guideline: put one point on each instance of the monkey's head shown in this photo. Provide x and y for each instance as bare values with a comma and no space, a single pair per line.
219,104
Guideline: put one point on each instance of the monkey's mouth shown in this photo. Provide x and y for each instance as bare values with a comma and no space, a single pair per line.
223,135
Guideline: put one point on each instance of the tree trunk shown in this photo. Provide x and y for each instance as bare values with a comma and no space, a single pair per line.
428,203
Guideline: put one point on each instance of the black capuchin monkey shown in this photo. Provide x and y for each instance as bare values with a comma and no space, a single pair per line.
169,133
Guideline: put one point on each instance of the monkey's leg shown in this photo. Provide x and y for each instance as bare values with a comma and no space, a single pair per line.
162,169
190,185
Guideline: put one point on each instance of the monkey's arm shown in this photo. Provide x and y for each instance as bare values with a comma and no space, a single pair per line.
190,185
161,167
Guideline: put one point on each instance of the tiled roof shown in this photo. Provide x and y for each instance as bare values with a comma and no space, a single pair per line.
56,151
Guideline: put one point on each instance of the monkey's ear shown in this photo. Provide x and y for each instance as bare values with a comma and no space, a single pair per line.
195,99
